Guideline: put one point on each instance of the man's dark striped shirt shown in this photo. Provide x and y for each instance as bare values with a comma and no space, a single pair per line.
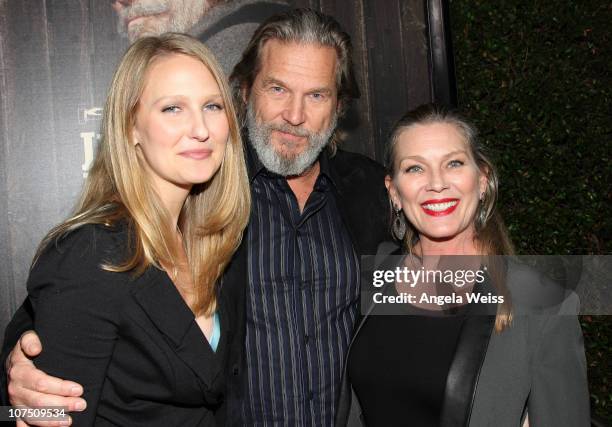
301,303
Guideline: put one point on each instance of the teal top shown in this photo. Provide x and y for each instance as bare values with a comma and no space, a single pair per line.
216,334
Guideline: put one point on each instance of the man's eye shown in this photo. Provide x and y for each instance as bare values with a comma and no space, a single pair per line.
171,109
455,163
317,96
276,89
413,169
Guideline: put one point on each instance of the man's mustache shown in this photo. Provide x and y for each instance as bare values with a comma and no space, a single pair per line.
293,130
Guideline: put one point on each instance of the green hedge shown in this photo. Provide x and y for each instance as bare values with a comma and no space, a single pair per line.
535,78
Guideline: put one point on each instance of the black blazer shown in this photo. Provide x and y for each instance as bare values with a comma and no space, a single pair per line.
131,341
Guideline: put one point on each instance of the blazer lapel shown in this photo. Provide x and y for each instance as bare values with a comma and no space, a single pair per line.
465,370
164,306
348,206
361,200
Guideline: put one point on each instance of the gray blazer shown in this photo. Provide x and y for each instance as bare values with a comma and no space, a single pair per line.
536,366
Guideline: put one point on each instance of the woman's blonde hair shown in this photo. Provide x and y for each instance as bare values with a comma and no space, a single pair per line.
491,234
215,213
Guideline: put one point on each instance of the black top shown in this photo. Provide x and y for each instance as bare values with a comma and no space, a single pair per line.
131,341
398,366
538,361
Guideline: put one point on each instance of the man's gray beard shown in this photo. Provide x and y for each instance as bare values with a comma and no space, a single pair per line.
178,22
260,137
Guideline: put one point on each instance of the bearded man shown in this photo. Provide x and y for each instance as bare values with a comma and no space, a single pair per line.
316,209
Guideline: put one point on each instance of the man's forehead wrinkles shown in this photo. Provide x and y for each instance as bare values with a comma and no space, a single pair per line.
299,86
298,66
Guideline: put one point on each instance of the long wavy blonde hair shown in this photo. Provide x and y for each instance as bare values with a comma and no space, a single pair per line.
491,236
215,213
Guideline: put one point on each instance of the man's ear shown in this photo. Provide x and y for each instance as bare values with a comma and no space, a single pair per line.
393,196
244,93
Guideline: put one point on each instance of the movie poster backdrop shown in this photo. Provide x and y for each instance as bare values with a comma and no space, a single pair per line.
57,59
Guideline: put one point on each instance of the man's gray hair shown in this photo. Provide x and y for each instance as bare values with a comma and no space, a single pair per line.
305,26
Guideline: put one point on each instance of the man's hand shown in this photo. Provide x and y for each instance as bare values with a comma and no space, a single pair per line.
30,387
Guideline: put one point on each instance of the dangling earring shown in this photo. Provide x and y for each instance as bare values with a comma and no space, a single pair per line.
481,215
399,224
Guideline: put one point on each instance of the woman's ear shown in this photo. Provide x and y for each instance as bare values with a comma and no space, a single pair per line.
135,136
393,196
483,181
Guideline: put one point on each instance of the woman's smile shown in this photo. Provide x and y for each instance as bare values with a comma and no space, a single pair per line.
439,207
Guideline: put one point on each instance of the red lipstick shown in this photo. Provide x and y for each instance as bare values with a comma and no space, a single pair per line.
439,207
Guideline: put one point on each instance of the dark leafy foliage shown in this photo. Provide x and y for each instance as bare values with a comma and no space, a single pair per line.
535,78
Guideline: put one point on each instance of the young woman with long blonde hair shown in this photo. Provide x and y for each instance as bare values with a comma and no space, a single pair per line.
126,293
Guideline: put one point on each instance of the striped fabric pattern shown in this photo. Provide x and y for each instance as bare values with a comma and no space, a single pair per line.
301,304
